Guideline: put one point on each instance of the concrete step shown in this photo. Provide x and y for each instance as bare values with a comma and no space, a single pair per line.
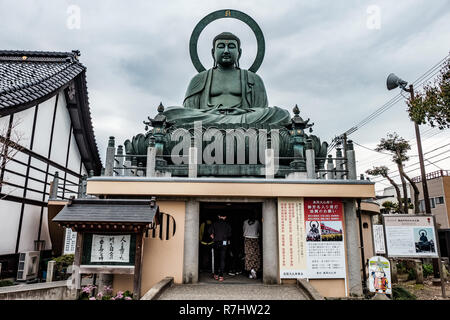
232,291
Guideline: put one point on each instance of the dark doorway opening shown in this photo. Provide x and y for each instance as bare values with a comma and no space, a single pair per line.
237,213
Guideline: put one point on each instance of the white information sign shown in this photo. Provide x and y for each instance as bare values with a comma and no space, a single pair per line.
110,248
70,241
410,236
378,239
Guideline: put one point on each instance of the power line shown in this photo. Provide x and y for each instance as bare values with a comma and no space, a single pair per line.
370,161
419,81
414,164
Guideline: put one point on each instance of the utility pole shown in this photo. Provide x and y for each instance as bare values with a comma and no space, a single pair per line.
422,165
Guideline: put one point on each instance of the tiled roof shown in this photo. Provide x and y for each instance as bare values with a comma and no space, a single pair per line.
29,77
26,76
105,210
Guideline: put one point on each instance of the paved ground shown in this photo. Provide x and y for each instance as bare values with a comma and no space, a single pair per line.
233,288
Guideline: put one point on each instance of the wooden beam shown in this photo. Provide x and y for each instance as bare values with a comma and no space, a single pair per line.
77,258
138,267
108,269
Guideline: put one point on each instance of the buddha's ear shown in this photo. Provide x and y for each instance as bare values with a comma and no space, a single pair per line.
214,58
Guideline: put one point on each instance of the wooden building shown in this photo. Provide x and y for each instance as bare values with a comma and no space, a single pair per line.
45,127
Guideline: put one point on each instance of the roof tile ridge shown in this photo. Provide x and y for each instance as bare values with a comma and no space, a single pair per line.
42,79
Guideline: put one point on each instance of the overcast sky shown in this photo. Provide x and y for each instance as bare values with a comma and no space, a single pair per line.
329,57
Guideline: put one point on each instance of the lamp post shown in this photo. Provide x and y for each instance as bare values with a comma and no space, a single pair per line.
393,82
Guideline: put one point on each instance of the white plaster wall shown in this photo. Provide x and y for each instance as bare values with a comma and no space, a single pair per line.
74,156
43,127
61,132
4,122
23,122
9,218
45,235
30,227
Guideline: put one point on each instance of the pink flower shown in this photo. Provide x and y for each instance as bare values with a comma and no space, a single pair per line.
128,298
92,298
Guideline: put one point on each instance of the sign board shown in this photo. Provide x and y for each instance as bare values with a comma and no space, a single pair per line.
378,239
379,275
411,236
311,238
109,249
70,241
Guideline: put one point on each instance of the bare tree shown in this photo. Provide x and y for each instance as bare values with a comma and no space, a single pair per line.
383,171
10,138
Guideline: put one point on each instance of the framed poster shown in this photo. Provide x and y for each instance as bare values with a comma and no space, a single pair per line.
325,238
311,238
109,249
412,236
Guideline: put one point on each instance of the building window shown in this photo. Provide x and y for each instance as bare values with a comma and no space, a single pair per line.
432,203
422,205
439,200
365,225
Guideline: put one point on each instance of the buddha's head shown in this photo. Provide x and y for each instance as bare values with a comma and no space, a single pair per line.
226,50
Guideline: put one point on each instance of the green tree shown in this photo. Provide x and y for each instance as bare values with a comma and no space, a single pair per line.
390,207
383,171
432,106
399,147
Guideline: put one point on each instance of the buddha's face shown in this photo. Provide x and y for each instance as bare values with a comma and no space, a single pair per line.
226,52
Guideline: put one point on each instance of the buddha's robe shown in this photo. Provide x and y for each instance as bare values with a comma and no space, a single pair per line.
252,108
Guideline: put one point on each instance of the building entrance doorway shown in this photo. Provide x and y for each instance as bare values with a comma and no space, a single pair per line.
235,267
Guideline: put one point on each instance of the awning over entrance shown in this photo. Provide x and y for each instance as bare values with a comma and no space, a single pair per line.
100,213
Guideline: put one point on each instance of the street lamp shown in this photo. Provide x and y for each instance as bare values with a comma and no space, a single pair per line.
393,82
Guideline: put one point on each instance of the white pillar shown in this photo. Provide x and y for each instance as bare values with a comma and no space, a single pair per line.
191,234
270,241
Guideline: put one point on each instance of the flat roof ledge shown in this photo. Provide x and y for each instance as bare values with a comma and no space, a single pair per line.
229,187
230,180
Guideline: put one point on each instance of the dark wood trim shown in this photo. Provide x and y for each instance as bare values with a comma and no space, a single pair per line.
52,130
138,266
22,200
37,169
67,158
41,158
25,187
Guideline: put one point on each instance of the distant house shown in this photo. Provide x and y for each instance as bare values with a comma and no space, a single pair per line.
43,97
438,184
390,195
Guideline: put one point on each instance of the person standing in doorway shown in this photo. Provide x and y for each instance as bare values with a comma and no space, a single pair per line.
206,244
220,232
252,251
